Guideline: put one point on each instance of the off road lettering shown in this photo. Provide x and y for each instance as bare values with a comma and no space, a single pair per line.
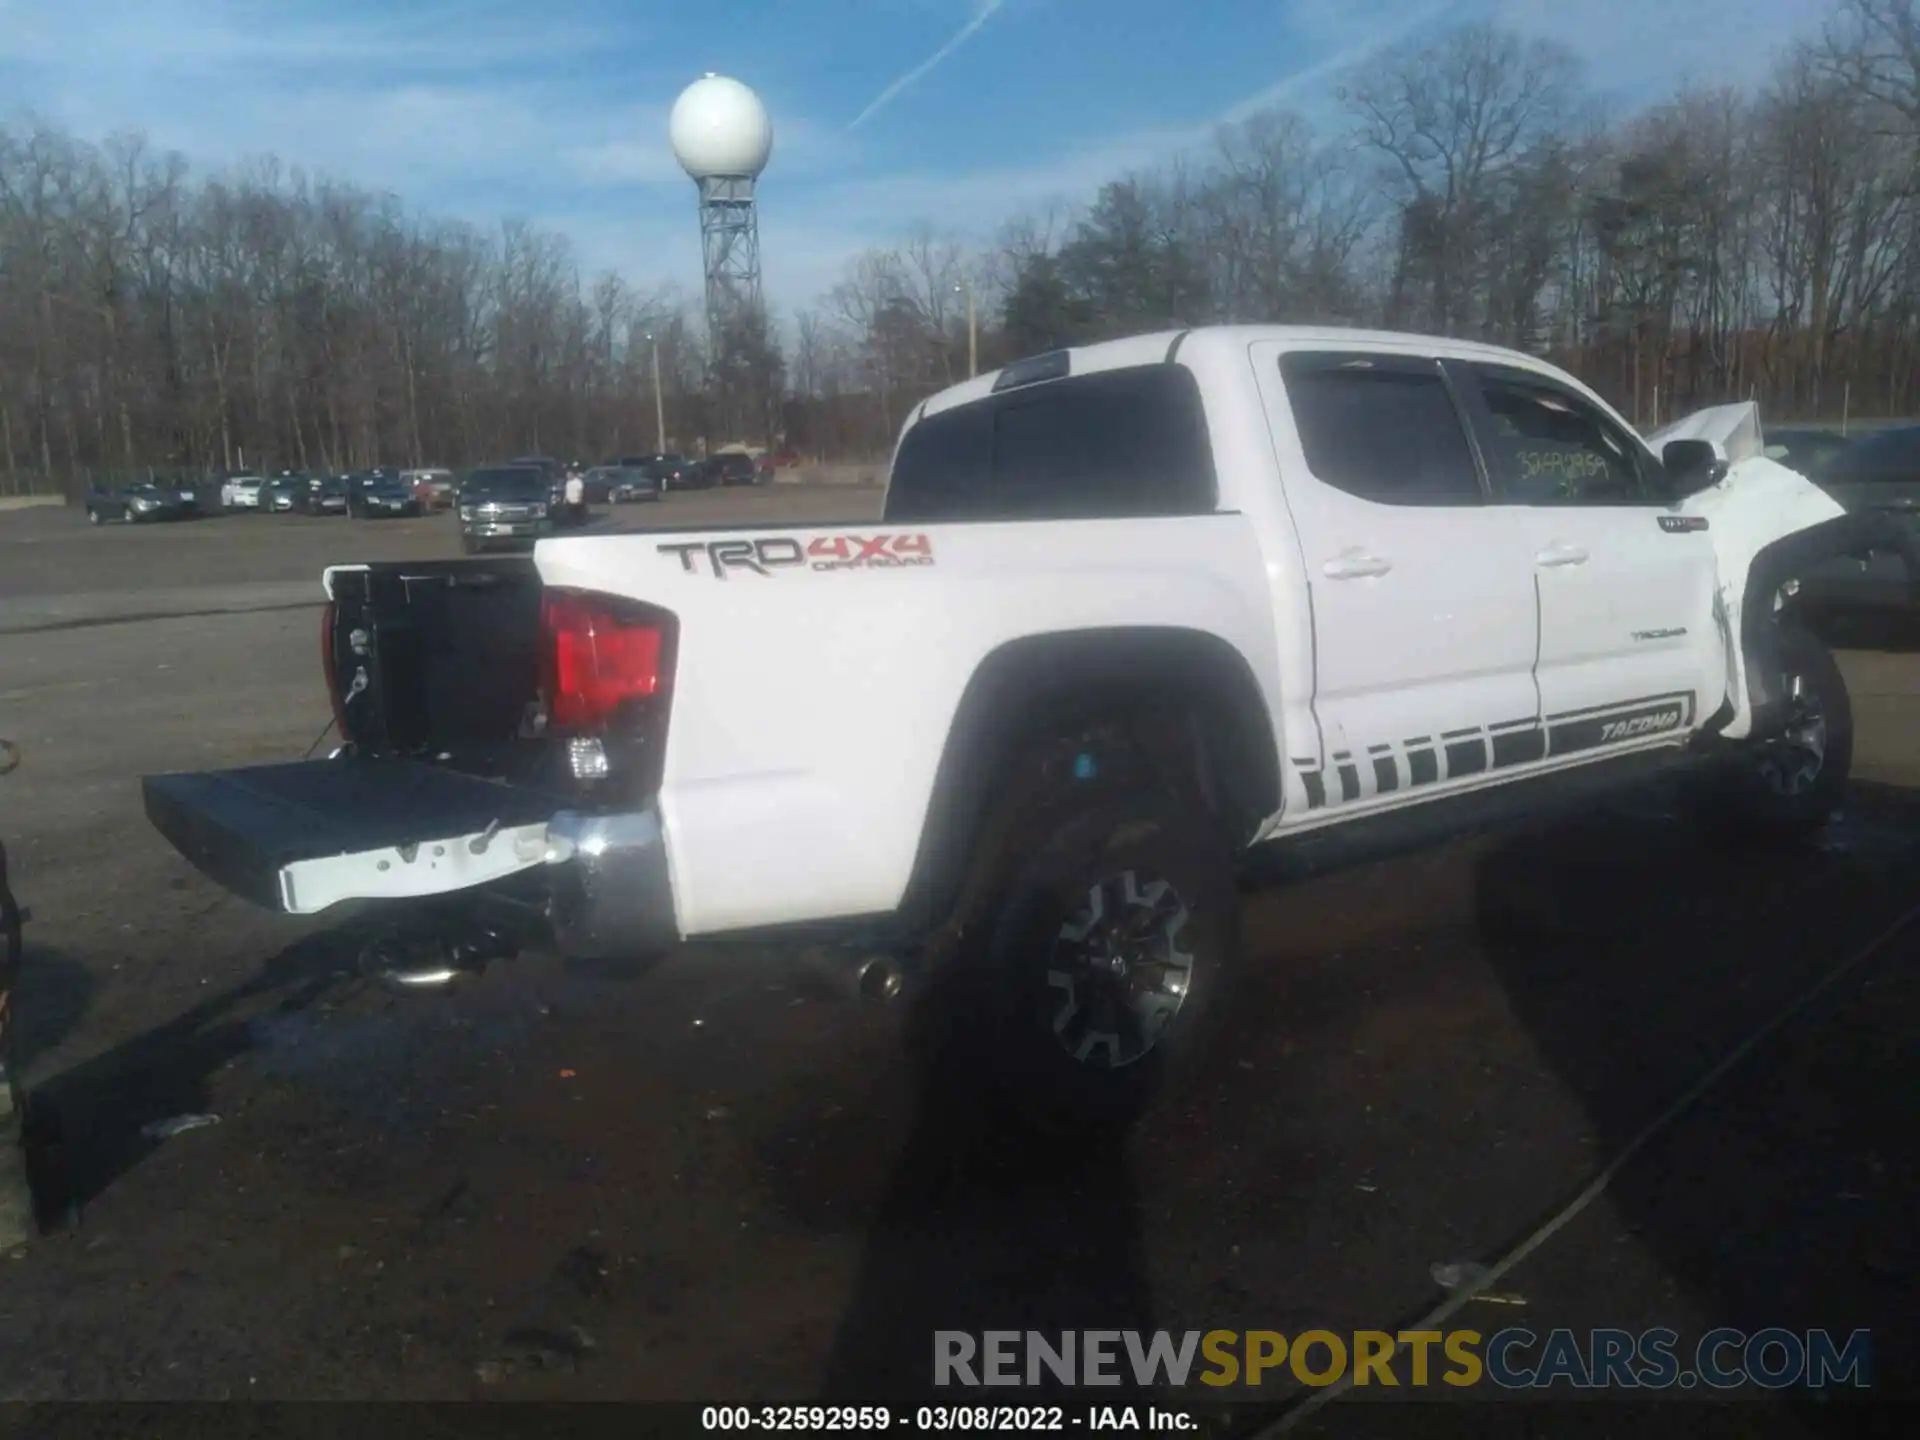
781,552
1639,725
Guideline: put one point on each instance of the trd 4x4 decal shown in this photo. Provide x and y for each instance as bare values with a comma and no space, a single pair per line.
822,552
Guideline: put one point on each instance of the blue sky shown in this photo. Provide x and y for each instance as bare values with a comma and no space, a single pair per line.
886,112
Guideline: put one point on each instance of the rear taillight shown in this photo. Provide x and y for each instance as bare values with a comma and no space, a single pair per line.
601,655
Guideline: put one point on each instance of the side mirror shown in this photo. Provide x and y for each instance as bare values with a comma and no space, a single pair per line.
1692,466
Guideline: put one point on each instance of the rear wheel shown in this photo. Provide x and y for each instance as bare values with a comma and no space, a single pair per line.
93,516
1089,972
469,545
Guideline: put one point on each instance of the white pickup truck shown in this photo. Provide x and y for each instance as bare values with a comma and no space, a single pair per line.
1132,610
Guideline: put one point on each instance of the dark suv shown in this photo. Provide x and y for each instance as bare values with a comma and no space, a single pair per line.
505,502
734,469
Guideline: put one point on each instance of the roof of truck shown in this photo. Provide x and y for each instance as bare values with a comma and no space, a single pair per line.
1164,345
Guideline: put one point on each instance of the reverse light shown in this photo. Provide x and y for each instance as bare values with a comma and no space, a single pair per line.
600,656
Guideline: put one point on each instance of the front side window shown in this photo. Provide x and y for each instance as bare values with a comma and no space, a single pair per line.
1546,446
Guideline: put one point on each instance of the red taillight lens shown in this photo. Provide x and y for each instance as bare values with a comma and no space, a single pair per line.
599,657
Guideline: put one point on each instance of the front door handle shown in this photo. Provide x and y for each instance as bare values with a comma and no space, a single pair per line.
1557,554
1355,565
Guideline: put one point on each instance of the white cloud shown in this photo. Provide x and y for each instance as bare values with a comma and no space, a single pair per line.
1644,47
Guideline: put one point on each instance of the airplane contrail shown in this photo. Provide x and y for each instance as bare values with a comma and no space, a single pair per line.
966,32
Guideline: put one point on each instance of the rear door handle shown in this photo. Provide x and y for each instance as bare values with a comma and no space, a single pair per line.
1355,565
1555,555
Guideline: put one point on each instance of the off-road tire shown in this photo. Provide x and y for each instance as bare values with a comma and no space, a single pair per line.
1779,790
1027,1016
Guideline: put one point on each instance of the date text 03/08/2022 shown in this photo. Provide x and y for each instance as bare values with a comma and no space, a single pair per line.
961,1419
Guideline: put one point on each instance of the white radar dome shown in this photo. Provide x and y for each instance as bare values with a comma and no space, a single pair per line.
720,128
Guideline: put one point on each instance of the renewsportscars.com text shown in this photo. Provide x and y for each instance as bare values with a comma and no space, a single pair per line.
1511,1359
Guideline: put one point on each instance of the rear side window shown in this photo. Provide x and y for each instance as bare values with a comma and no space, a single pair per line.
1384,430
1116,443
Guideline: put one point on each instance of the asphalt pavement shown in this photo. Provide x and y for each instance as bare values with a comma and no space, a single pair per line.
707,1181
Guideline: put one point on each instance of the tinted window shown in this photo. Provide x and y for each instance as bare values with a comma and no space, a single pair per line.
505,482
1110,444
1546,446
1889,457
1386,431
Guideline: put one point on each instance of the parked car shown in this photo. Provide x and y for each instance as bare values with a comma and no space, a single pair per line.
735,468
279,495
628,483
1877,474
732,468
322,496
689,475
512,502
672,471
1808,451
1368,622
135,504
241,492
372,497
597,484
434,489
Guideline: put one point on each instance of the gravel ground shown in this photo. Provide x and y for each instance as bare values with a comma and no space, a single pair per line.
707,1182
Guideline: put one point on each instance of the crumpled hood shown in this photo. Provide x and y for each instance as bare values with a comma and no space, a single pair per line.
1733,430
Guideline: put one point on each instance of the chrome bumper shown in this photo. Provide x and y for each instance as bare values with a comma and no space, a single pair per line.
609,895
507,529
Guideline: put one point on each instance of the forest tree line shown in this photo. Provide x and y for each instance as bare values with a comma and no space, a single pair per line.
1724,243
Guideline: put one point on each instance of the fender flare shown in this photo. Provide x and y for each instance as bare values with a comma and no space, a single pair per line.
1026,686
1857,533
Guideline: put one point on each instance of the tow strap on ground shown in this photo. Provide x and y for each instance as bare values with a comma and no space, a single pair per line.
1483,1281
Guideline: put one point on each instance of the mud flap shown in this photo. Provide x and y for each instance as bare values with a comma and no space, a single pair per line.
303,837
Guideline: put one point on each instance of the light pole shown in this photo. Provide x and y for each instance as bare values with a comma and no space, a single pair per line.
973,329
659,405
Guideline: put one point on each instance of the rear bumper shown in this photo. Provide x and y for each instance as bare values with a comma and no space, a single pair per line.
609,894
303,838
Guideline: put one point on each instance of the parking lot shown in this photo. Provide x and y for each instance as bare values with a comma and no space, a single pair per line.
707,1181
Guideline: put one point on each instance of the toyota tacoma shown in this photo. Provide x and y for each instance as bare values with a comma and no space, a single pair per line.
1132,611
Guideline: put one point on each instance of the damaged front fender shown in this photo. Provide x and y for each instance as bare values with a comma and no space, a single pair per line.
1772,526
1853,535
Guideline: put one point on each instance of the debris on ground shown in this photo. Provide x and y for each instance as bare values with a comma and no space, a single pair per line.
1467,1274
543,1349
176,1125
585,1269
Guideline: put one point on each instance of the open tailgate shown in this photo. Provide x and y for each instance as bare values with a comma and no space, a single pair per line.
301,837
